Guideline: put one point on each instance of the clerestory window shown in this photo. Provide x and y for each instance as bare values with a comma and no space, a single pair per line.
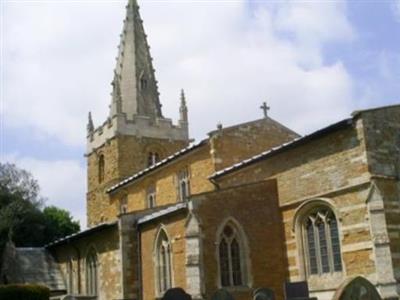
183,185
151,197
322,245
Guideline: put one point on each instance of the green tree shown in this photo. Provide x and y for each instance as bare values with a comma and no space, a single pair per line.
22,217
59,223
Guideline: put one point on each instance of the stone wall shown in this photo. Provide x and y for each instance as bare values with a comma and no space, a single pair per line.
332,168
174,226
255,208
123,156
234,144
164,179
106,245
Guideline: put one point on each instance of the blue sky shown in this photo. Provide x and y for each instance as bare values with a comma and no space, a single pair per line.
314,62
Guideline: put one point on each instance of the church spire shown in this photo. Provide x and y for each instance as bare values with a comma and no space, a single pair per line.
135,89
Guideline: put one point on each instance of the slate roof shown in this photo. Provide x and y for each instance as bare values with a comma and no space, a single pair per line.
281,148
36,265
162,212
81,234
163,162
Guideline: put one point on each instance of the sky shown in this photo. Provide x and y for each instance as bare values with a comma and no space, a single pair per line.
313,62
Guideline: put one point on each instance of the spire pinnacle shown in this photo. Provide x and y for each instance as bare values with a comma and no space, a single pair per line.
90,126
135,90
183,110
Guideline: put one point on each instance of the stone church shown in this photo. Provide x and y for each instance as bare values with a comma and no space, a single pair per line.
252,206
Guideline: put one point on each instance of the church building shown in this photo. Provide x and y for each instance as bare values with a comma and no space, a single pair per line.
251,206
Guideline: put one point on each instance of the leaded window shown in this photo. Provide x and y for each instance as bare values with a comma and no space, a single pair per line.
163,260
322,246
91,273
230,252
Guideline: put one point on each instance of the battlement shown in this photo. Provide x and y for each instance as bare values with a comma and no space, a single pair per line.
139,126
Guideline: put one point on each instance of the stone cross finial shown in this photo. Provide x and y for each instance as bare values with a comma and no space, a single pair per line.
265,109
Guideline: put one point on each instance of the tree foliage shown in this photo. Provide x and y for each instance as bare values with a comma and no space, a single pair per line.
22,217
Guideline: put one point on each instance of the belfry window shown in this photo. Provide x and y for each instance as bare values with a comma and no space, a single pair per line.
322,246
152,158
101,168
91,273
163,263
151,197
230,254
183,185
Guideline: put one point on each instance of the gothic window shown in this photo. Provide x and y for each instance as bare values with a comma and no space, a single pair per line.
163,263
321,242
183,185
152,158
231,257
91,273
151,197
101,168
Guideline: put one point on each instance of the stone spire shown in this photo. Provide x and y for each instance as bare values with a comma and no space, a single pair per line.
183,111
135,89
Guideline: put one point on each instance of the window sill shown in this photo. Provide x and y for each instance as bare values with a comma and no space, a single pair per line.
239,288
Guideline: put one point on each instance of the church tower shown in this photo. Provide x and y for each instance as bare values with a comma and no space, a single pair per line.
136,134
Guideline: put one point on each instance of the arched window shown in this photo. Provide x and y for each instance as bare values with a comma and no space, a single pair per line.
321,242
101,168
183,185
152,158
232,265
163,262
151,196
91,273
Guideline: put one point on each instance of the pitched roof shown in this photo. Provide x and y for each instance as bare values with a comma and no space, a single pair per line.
162,212
81,234
156,166
34,265
289,145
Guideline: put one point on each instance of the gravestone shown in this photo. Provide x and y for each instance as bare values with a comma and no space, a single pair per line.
263,294
297,291
222,294
176,294
357,288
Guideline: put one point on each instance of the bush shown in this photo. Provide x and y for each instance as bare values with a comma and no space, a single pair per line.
24,292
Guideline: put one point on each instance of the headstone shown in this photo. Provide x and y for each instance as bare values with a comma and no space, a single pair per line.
263,294
297,291
357,289
176,294
222,294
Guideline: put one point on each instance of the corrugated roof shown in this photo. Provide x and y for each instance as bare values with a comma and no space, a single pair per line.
281,148
156,166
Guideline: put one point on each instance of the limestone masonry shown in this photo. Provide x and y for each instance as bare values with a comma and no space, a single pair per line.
251,206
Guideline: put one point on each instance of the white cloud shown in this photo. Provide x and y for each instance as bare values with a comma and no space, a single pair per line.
59,57
62,182
396,9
